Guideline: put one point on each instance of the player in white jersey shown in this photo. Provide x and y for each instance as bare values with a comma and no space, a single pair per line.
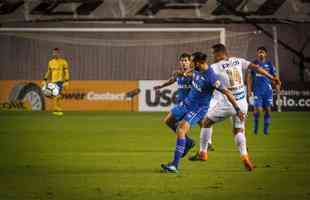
231,71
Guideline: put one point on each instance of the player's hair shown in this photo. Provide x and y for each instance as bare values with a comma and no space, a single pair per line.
262,48
199,57
219,48
185,55
56,49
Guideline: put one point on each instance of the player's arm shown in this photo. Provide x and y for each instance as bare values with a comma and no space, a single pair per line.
274,72
219,87
260,70
233,101
249,81
66,74
47,75
170,81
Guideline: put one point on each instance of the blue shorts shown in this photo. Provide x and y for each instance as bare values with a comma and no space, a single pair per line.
263,100
184,112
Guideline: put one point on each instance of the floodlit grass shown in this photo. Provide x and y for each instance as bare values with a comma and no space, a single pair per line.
116,155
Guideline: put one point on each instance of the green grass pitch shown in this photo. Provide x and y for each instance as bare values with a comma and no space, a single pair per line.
116,155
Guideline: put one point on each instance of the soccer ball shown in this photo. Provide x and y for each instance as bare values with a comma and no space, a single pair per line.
50,90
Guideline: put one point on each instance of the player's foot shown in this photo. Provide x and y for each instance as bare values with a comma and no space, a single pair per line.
169,168
58,113
199,156
247,162
210,147
190,143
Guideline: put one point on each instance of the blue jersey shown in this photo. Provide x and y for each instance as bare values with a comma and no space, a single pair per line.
203,86
261,84
184,85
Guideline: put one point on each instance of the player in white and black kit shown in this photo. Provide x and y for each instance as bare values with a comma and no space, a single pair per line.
231,72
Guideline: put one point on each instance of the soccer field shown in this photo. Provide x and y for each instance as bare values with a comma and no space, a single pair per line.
114,155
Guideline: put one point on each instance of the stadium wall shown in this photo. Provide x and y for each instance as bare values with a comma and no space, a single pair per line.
128,57
120,96
91,56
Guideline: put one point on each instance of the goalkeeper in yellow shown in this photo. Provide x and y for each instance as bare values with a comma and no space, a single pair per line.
58,73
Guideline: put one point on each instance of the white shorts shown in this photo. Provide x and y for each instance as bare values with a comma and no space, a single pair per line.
221,110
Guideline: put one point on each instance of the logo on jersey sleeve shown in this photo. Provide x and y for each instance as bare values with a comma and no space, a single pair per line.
196,82
236,62
217,84
225,65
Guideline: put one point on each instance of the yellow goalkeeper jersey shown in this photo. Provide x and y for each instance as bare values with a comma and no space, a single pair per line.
58,70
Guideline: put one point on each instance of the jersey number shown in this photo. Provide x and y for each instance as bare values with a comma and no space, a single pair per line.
234,76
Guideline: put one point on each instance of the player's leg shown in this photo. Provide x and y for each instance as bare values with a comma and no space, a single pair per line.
267,103
182,130
206,136
256,114
267,119
215,114
205,132
190,143
172,120
57,106
176,115
181,142
258,102
191,118
57,101
240,139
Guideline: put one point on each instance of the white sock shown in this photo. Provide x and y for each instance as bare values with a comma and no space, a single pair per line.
209,135
205,138
240,141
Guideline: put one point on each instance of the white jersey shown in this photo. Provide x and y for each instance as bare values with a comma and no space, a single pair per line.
231,73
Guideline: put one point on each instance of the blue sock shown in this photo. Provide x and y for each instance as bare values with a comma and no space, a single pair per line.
179,150
174,127
256,118
267,119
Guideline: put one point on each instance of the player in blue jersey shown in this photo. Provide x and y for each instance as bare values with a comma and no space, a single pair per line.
261,87
195,106
184,82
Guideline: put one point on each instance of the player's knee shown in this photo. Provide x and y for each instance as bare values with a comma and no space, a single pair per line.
256,111
267,110
168,120
238,130
207,123
183,128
